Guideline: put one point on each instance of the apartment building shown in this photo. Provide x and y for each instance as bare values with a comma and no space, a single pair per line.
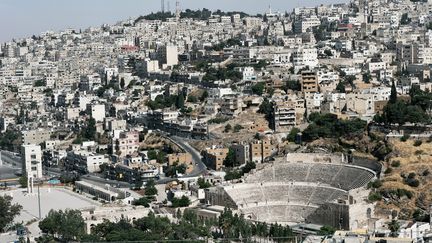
84,161
126,144
215,157
260,150
181,159
32,161
309,82
35,136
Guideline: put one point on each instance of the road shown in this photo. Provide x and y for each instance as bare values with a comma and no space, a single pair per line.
12,164
200,168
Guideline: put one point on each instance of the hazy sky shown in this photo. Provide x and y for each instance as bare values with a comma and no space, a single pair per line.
21,18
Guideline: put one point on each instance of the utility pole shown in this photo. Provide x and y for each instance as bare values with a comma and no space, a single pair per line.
39,203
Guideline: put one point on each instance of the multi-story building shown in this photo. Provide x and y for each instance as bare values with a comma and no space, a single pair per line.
305,57
309,82
126,144
260,150
288,111
37,136
168,56
215,157
306,24
181,159
242,152
84,161
284,115
231,105
32,161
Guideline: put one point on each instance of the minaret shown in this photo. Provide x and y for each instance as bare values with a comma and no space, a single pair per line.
178,11
163,6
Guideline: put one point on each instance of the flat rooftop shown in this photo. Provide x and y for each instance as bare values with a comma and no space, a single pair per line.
51,199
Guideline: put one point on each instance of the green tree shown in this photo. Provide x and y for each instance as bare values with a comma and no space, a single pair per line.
180,202
65,225
258,88
230,159
394,227
23,181
405,19
366,77
326,230
40,83
8,212
90,130
180,101
341,87
393,93
144,201
292,85
293,134
204,96
150,188
122,83
202,183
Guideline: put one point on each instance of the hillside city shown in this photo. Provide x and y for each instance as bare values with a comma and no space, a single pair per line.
309,125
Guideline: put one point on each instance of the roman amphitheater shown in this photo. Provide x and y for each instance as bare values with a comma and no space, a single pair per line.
303,188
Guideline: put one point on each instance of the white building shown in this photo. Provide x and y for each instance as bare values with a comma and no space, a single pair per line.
84,161
306,24
305,57
168,56
97,112
32,160
5,122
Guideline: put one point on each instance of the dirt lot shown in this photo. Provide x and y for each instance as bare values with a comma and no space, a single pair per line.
408,158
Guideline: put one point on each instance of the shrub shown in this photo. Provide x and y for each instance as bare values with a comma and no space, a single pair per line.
373,197
180,202
228,128
426,172
395,163
417,143
402,192
413,182
404,138
418,152
411,175
375,184
238,127
144,201
388,170
218,120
